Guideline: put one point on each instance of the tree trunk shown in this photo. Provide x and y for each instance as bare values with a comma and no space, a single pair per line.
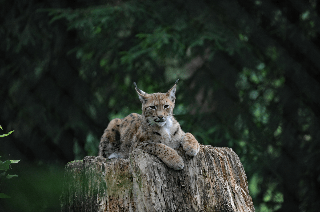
214,180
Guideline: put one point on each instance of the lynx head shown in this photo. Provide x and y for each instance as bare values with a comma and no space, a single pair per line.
157,108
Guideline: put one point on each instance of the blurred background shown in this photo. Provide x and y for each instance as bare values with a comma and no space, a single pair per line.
249,80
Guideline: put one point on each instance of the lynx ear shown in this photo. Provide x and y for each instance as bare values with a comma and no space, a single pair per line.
142,95
172,92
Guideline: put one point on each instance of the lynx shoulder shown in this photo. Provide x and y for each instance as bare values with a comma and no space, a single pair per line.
155,131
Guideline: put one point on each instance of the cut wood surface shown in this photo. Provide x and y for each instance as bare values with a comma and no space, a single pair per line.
214,180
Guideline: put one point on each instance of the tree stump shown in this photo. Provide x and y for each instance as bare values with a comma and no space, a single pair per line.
214,180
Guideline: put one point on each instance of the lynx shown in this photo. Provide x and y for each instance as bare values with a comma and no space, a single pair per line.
156,131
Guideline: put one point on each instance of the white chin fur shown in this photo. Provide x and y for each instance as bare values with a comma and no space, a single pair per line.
167,122
160,124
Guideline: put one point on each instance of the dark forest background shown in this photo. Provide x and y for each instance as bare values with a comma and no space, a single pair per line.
249,80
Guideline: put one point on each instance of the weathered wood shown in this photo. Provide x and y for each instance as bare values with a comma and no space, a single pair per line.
214,180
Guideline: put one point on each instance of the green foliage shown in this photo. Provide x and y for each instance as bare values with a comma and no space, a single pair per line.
5,166
38,188
4,135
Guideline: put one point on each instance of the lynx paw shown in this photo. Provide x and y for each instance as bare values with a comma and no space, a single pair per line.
174,161
168,155
190,145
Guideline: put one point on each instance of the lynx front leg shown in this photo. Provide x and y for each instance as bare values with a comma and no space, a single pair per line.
190,144
168,155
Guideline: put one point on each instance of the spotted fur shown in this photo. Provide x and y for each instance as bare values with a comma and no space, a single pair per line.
156,131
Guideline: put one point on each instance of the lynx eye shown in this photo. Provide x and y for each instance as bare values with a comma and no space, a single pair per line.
153,107
166,106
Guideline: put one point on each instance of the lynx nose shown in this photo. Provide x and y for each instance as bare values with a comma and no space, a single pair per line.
161,117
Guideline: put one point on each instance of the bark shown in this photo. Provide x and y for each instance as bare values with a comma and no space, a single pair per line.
214,180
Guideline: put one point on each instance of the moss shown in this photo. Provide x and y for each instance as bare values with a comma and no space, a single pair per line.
119,180
204,173
74,161
137,172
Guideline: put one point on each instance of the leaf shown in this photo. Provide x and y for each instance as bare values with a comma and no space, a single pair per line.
14,161
4,135
5,165
9,176
2,195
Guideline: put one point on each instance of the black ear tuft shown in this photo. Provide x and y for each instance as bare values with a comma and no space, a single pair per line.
172,92
142,95
137,89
